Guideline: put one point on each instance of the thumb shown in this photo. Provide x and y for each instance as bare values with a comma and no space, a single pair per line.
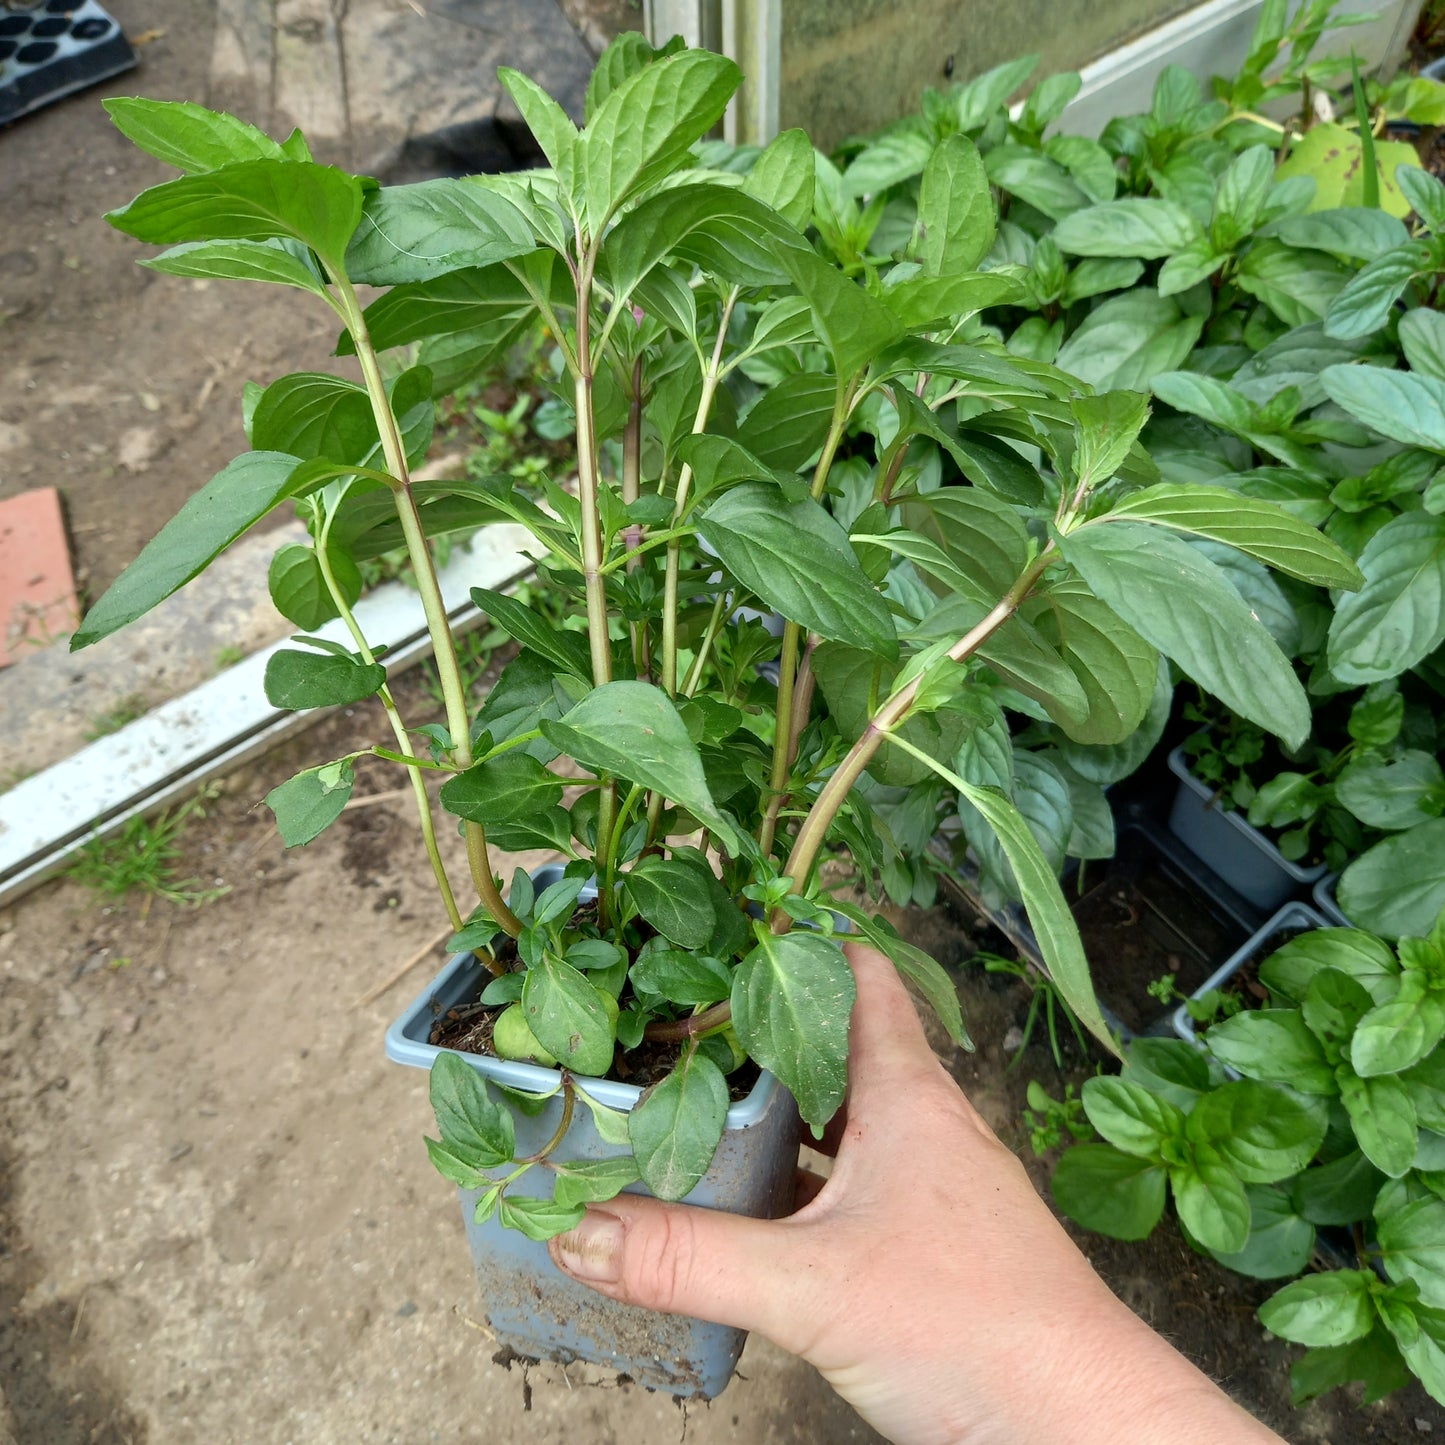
684,1260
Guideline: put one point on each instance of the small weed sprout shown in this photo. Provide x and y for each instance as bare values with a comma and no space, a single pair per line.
1051,1121
1046,1000
143,857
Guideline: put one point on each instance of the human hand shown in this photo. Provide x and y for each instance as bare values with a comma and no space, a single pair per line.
926,1279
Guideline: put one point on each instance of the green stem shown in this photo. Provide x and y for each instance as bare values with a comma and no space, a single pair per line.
709,636
398,728
891,715
782,736
631,491
569,1098
588,483
711,377
677,1030
438,624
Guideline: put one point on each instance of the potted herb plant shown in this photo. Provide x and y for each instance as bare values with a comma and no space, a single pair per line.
640,746
1333,1121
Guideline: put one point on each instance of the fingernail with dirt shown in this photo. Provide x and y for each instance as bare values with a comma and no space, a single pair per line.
592,1251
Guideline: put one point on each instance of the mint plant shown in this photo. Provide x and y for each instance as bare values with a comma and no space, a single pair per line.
745,409
1335,1124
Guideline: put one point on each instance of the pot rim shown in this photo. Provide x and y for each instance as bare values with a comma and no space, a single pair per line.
1236,820
1292,915
407,1043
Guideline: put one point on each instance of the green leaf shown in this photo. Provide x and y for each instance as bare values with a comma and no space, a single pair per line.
1322,1309
233,500
1117,670
1211,1201
1142,228
474,1127
1036,179
508,788
1298,286
308,804
1170,1069
1109,1192
298,586
1127,340
799,561
1383,1118
563,648
1105,428
1340,1192
792,1001
539,1219
1425,193
188,136
1397,618
974,530
1275,1046
1425,1083
1364,304
926,975
1412,1247
852,325
312,415
1280,1241
691,979
417,232
646,126
1130,1117
1260,529
788,423
674,897
285,263
1334,1004
591,1181
1402,405
724,232
1240,196
1398,886
550,125
1375,1360
460,301
628,53
298,680
1361,956
1422,338
1263,1134
454,1168
567,1016
1181,603
1053,924
250,201
1393,793
1196,263
1394,1036
1350,231
894,156
632,730
676,1125
922,301
956,217
784,176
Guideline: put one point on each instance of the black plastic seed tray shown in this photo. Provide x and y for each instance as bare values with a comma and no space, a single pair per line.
49,48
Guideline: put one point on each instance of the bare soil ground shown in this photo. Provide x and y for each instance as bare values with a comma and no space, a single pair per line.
220,1225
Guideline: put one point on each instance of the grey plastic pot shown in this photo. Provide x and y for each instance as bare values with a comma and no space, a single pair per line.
1225,842
1324,895
1296,917
530,1305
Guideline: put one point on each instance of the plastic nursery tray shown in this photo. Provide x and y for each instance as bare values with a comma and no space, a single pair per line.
1324,896
1224,840
1298,916
51,48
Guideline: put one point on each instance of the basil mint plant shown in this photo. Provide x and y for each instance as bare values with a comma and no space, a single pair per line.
746,406
1334,1125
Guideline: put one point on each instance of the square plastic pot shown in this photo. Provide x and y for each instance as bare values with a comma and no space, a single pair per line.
1292,918
1324,895
1224,840
530,1305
